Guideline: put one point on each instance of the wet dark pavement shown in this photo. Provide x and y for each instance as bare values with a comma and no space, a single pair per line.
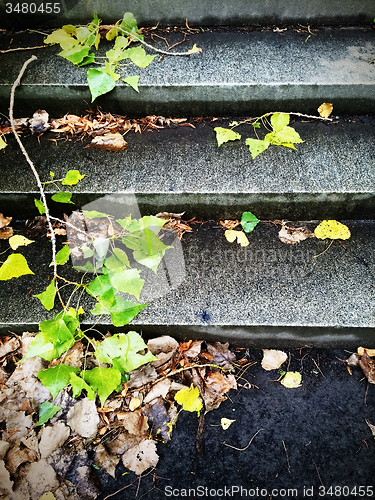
308,442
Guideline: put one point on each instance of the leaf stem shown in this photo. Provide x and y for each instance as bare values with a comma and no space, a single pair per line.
29,161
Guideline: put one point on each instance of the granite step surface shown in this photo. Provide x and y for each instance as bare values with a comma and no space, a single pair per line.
239,72
215,12
182,169
266,294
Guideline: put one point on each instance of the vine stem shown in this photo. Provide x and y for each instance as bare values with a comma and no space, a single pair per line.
302,115
29,161
151,47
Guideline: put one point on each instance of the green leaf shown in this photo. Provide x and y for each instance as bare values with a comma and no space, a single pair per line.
82,34
89,59
152,222
3,144
112,33
138,56
94,25
124,349
101,246
75,54
62,256
47,298
132,81
99,82
93,214
52,341
110,69
225,135
123,311
41,347
121,255
56,378
46,411
99,286
72,177
150,250
103,380
279,121
287,135
78,384
14,267
62,37
150,261
248,221
129,24
256,146
39,205
69,28
126,281
62,197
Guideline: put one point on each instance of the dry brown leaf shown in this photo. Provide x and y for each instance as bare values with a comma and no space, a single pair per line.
368,367
85,483
4,447
160,421
39,122
6,233
141,457
122,443
106,461
293,235
370,352
134,404
216,385
6,485
194,349
9,344
169,215
325,109
160,389
222,355
273,359
109,142
353,360
136,423
53,437
15,457
229,224
83,418
4,221
31,441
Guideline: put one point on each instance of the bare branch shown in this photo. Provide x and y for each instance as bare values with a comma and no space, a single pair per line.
36,175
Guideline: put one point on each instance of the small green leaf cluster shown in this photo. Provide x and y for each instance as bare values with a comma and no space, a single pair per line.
77,43
125,352
71,178
280,135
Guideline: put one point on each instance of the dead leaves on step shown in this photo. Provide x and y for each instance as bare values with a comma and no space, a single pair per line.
35,460
108,142
362,359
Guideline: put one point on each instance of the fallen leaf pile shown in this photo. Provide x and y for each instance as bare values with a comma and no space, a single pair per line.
362,359
92,124
36,457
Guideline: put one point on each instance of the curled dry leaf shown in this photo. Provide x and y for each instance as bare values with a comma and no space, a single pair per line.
109,142
4,221
370,352
134,404
136,423
229,224
5,232
226,423
372,427
161,422
160,389
15,457
141,457
223,356
353,360
293,235
325,109
169,215
368,367
273,359
9,344
39,122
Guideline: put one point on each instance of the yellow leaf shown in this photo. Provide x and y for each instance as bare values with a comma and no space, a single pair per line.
333,230
48,496
80,311
134,403
370,352
325,109
231,235
189,399
3,144
226,422
292,380
19,241
195,49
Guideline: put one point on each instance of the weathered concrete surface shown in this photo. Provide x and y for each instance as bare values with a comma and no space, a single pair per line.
238,73
215,12
331,175
266,294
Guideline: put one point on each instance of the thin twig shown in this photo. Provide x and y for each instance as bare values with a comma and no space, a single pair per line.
318,367
287,457
36,175
23,48
195,51
246,447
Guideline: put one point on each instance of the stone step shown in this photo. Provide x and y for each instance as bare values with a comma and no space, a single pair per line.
267,294
215,12
182,169
238,73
